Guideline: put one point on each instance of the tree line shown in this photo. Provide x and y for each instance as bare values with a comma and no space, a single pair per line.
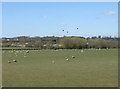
69,42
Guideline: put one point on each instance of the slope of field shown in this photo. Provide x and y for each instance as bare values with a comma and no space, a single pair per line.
90,68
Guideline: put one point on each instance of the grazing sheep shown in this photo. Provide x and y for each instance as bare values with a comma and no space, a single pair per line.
9,62
81,50
27,51
73,56
67,59
14,61
53,62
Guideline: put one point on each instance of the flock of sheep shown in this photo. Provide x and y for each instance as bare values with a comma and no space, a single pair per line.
27,51
15,52
17,55
67,59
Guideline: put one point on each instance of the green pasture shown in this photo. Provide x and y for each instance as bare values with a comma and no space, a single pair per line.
90,68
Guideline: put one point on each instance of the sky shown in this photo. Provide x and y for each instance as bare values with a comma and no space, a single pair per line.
84,19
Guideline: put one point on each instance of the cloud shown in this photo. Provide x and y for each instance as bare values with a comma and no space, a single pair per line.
110,13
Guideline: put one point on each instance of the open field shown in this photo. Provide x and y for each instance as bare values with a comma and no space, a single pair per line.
41,68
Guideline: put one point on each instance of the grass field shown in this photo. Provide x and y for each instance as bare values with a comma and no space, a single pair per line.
91,68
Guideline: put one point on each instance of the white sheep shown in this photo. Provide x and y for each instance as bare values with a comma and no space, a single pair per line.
73,56
9,62
27,51
53,62
81,50
67,59
14,61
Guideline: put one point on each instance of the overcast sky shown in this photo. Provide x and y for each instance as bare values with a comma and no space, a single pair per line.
50,19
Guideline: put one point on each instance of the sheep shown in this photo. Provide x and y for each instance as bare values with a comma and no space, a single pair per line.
53,62
81,50
9,62
73,56
27,51
14,61
67,59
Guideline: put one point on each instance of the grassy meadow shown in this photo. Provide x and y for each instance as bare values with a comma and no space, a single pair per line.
90,68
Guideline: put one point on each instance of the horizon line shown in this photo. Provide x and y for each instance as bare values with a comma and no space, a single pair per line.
62,36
